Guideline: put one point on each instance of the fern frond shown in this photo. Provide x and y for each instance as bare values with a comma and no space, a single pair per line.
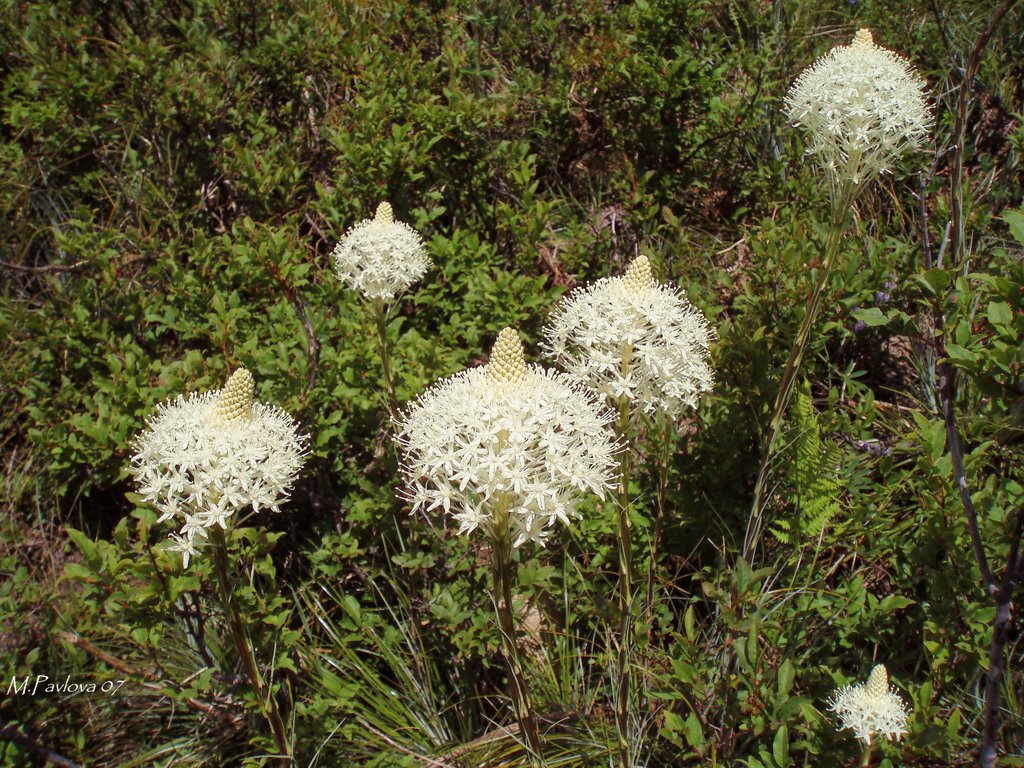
814,473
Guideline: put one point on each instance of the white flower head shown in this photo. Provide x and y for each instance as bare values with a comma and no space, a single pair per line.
635,338
208,456
863,106
507,439
380,257
871,708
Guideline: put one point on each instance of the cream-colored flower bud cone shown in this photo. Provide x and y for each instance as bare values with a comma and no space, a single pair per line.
878,681
639,276
508,362
235,401
385,214
863,38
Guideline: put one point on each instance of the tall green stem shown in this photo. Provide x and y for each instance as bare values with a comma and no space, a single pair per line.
501,558
659,521
380,317
625,593
266,696
865,759
840,207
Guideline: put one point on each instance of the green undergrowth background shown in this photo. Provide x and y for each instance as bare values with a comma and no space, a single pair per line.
173,177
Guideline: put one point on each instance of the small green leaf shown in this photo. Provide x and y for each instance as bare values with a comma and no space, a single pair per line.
694,732
787,674
176,585
135,499
956,352
277,620
83,543
684,671
752,640
871,317
1015,220
962,333
999,313
689,624
935,281
953,725
896,603
78,571
780,747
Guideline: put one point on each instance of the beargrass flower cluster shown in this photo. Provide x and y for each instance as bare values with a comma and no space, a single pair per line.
380,257
862,107
871,708
507,439
205,458
635,338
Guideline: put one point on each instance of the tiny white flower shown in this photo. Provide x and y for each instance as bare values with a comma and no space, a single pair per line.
862,106
204,458
507,436
871,708
184,545
193,527
380,257
634,338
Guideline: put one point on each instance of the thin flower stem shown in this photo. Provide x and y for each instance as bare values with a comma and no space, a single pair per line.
380,317
625,593
865,759
659,521
841,204
266,696
501,558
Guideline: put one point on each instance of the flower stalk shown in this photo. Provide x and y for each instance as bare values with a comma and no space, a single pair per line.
264,692
501,560
380,320
841,205
625,591
664,458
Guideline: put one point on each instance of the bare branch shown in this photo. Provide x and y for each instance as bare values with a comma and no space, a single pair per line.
948,389
47,269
